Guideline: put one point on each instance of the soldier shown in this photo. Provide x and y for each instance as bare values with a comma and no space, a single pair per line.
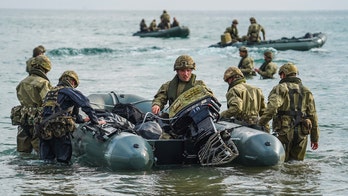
39,50
165,19
292,108
182,81
245,103
153,25
268,68
60,112
175,23
246,64
233,30
254,31
30,92
143,26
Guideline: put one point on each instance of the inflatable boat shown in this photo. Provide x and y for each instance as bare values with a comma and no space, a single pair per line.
304,43
191,134
179,31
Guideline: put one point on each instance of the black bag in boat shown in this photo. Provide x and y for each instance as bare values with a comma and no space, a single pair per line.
130,112
149,130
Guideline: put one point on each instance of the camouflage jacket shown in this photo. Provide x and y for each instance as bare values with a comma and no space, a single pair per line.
254,32
32,90
244,102
171,90
246,66
279,100
267,70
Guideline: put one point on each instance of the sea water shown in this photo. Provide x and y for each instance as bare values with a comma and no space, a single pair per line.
100,47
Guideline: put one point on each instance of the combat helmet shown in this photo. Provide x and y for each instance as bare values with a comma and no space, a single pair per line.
70,74
235,21
268,54
232,71
184,62
288,68
41,61
252,19
243,49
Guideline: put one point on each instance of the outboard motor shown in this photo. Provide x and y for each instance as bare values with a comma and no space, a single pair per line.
193,114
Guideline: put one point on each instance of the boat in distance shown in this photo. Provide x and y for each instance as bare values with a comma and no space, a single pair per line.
304,43
179,31
200,139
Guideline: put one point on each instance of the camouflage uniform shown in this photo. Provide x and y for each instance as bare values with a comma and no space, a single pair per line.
292,108
39,50
233,30
30,92
143,26
165,17
244,102
58,145
171,90
254,31
246,65
153,26
267,70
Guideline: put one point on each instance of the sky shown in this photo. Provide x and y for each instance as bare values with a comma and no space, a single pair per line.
177,4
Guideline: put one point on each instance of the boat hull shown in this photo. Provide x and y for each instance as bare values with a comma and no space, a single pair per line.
180,31
128,151
299,44
120,151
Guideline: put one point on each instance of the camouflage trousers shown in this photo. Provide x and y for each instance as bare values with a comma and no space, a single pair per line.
25,140
295,144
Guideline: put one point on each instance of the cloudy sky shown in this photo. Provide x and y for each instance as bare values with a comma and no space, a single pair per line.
177,4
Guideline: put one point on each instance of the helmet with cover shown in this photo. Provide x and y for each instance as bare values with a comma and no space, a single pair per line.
243,49
288,68
68,75
232,71
184,62
252,19
234,21
41,61
268,54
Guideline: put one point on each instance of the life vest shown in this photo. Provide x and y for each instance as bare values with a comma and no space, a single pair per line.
60,122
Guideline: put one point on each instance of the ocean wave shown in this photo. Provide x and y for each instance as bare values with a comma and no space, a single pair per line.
76,52
95,51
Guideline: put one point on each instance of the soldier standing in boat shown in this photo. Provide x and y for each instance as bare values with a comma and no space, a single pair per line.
291,106
268,68
254,31
246,64
60,112
30,92
245,103
165,20
182,81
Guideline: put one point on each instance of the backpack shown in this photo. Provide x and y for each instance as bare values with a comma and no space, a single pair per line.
129,111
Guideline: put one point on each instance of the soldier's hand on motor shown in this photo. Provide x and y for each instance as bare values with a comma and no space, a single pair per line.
86,119
156,109
314,145
101,122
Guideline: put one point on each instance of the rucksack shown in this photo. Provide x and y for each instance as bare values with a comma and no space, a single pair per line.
130,112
